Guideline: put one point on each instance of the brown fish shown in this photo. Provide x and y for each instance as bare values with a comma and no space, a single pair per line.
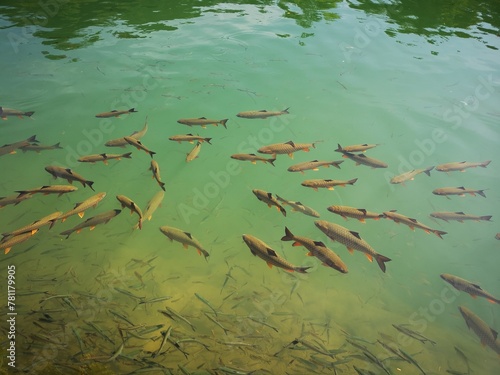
49,189
155,168
461,166
355,148
264,252
130,204
253,158
285,148
103,157
458,216
328,184
152,206
411,223
487,335
202,121
37,148
410,176
8,242
269,199
193,154
466,286
460,191
189,138
299,207
185,238
137,144
34,226
365,160
318,249
13,199
356,213
92,222
121,142
12,147
69,175
314,165
115,113
262,114
4,112
81,207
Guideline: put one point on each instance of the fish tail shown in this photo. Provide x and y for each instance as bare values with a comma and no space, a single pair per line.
487,217
481,193
33,139
286,110
205,254
29,114
282,210
162,185
336,164
381,259
90,183
288,235
485,164
52,222
223,122
301,269
351,182
151,153
208,140
21,193
132,110
427,171
271,161
127,155
339,148
57,145
439,233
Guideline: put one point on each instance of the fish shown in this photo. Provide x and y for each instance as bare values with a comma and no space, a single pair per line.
153,204
34,226
356,148
461,166
299,207
365,160
80,208
172,314
138,144
155,168
413,334
411,223
130,204
218,323
269,199
411,360
286,148
49,189
202,121
121,142
206,303
12,147
459,216
352,240
193,154
487,335
103,157
92,222
4,112
189,138
328,184
497,236
356,213
185,238
253,158
262,114
13,199
318,249
37,148
115,113
69,175
313,165
410,176
8,242
466,286
460,191
263,251
166,335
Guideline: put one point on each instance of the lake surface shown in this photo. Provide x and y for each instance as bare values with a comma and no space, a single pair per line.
419,79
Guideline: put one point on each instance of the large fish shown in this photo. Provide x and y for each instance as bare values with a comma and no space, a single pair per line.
285,148
352,240
155,168
459,216
314,165
37,148
138,144
269,199
189,138
152,206
193,154
8,242
121,142
132,206
49,189
185,238
318,249
328,184
92,222
264,252
410,176
4,112
115,113
261,114
355,148
460,191
253,158
487,335
69,175
299,207
34,226
12,147
365,160
356,213
13,199
461,166
411,223
202,121
466,286
81,207
103,157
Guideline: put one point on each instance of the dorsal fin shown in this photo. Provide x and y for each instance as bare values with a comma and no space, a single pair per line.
355,234
413,220
494,333
319,243
459,213
476,286
271,252
362,210
68,170
461,188
189,235
290,143
202,118
270,195
263,110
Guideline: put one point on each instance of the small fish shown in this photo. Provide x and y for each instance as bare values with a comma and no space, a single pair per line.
218,323
130,204
128,294
253,158
263,251
13,199
411,223
166,335
206,303
328,184
37,148
34,226
286,148
317,249
4,112
413,334
189,138
460,191
69,175
487,335
80,208
8,242
193,154
461,166
138,144
153,205
269,199
121,142
262,114
103,157
155,168
299,207
92,222
12,147
352,240
202,121
459,216
49,189
410,176
365,160
313,165
115,113
410,359
355,148
171,313
466,286
185,238
356,213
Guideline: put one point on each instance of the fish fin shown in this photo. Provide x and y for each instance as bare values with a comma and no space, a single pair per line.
253,161
271,252
288,235
319,243
476,286
355,234
185,246
487,217
309,254
69,181
351,250
223,122
204,126
91,228
269,205
331,188
290,143
80,214
271,161
189,235
362,220
494,333
290,155
381,259
106,162
269,264
7,249
362,210
317,169
473,296
369,256
78,231
296,244
306,149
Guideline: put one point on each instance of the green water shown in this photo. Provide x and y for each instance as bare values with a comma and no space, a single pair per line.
418,78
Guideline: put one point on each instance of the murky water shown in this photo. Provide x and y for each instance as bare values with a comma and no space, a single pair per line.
422,81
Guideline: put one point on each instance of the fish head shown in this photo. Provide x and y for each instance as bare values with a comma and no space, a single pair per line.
332,209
